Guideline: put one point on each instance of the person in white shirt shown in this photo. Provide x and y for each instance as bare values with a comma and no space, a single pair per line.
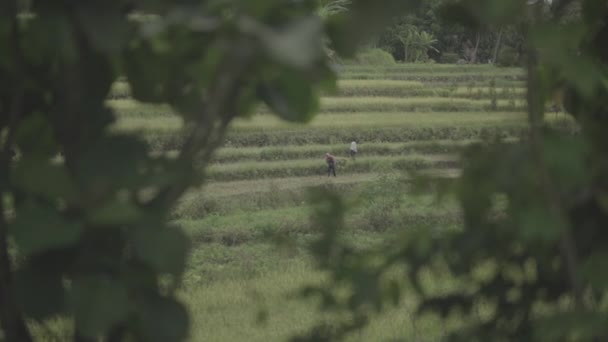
353,149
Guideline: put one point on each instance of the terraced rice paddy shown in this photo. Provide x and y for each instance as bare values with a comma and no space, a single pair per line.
405,118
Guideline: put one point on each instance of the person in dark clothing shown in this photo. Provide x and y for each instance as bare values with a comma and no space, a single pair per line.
331,164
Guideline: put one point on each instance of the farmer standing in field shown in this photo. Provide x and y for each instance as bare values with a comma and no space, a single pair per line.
353,149
331,164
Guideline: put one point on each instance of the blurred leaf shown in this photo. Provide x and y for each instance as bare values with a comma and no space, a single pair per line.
114,161
35,136
594,269
566,158
163,249
98,303
115,212
363,20
559,47
49,36
593,10
572,326
163,319
147,71
38,176
39,228
299,45
290,96
539,223
105,27
40,294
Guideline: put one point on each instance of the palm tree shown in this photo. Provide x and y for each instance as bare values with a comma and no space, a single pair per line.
415,43
405,34
327,10
422,43
333,7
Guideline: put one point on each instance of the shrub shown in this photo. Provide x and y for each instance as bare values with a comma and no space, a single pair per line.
375,57
449,58
507,57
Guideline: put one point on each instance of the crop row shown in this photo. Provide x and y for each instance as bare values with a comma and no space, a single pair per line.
337,105
336,121
166,140
430,69
312,167
391,88
274,153
462,78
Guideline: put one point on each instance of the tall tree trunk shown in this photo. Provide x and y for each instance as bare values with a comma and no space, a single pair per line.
474,56
405,53
497,46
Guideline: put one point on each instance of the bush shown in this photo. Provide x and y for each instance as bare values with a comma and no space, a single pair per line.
449,58
507,57
375,57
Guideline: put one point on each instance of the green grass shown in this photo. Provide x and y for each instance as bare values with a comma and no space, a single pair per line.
234,308
222,198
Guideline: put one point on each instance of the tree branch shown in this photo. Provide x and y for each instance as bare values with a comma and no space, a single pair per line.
210,129
548,188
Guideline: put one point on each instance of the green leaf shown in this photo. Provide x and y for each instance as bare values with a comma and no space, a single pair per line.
163,249
148,70
48,37
291,97
594,270
539,223
163,319
39,228
98,304
567,161
106,27
35,136
39,176
298,45
115,212
114,162
40,295
593,10
559,48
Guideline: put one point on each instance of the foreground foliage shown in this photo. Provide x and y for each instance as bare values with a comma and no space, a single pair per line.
88,230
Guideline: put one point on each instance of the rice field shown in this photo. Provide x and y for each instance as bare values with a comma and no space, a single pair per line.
240,284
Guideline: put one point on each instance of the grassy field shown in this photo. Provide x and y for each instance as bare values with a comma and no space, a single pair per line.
241,285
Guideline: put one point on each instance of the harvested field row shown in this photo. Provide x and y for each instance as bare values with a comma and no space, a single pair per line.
163,140
307,167
336,105
273,153
268,122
